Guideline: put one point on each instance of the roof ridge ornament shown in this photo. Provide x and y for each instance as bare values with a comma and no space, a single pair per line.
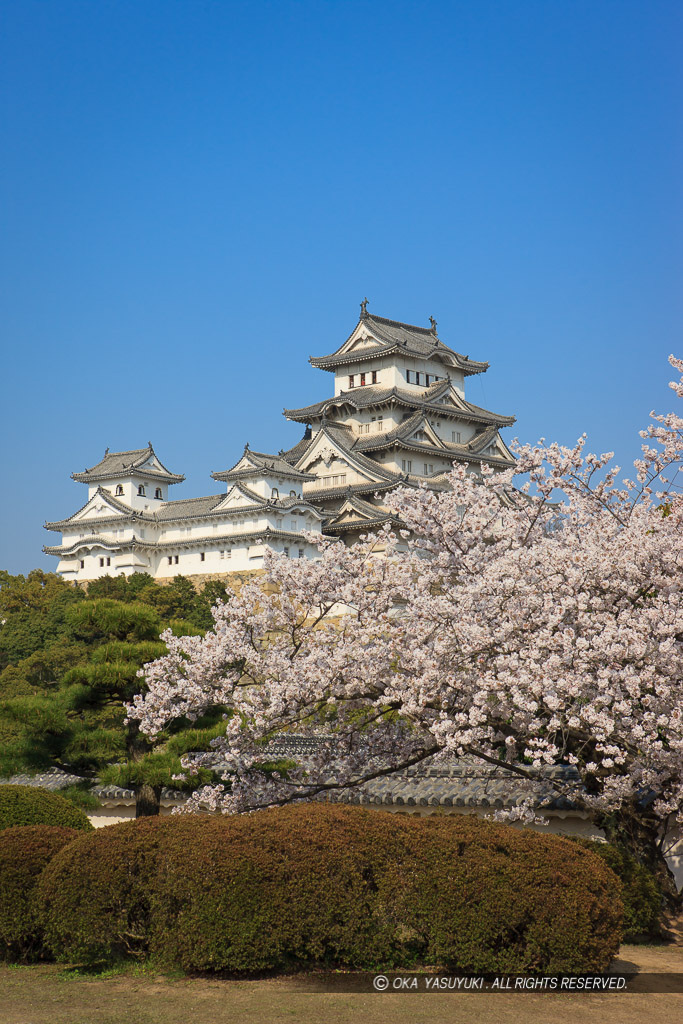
364,308
433,323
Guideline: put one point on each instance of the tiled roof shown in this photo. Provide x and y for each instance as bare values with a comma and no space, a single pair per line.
455,784
119,464
264,464
368,516
292,455
188,508
408,339
109,498
458,783
427,400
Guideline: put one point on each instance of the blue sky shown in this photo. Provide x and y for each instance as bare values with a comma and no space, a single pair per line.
197,195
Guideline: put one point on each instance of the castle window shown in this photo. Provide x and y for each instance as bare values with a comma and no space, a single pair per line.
275,493
362,380
455,436
286,552
228,553
407,376
417,377
101,561
278,524
109,561
301,552
380,423
374,376
170,559
82,564
407,465
202,556
292,494
141,490
119,489
157,493
176,559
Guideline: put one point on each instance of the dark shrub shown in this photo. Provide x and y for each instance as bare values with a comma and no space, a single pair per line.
25,850
287,887
640,893
29,805
96,895
493,898
338,885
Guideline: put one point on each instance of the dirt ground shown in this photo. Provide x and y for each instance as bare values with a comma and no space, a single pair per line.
50,995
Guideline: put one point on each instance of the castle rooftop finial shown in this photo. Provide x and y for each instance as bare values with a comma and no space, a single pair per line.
433,323
364,308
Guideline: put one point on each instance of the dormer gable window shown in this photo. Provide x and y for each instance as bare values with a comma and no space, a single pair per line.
292,494
157,493
141,490
275,493
119,489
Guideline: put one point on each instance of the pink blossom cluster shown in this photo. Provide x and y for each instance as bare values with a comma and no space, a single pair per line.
520,626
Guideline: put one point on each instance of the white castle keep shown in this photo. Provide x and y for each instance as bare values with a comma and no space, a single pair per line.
398,417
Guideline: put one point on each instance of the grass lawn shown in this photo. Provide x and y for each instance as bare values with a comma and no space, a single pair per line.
48,994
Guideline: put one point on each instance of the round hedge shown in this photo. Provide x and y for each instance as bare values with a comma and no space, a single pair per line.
24,852
29,805
335,885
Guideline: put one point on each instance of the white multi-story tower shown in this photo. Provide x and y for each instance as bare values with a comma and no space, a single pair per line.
398,416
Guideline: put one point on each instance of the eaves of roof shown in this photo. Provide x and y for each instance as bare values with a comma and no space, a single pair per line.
227,540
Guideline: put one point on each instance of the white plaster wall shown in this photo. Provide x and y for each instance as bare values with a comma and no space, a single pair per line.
130,491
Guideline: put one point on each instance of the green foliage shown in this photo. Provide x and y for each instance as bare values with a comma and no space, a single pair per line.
29,805
24,852
33,612
103,620
640,893
341,886
80,795
69,661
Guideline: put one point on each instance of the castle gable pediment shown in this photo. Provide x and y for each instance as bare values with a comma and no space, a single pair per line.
238,497
328,455
102,504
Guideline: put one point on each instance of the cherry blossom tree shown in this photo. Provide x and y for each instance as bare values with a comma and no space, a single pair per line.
519,626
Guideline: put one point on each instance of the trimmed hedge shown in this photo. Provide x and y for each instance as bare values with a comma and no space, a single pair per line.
30,805
335,885
641,895
24,852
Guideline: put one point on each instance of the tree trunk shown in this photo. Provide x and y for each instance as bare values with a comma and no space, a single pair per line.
147,800
640,835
